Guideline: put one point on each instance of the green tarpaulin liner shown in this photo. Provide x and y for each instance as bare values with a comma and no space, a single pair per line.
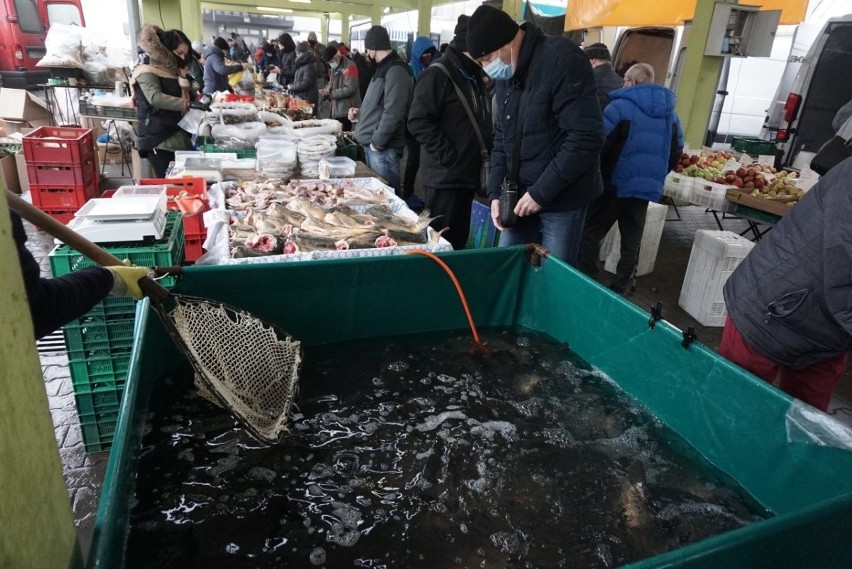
742,425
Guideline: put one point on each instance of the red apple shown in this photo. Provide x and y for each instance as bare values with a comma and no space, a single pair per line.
730,177
678,169
738,183
748,179
742,172
693,159
684,156
759,183
749,185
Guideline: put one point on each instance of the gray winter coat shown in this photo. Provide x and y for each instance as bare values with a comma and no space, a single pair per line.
791,298
344,89
386,103
606,81
215,71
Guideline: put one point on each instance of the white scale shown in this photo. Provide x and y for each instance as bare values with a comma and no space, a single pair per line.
133,217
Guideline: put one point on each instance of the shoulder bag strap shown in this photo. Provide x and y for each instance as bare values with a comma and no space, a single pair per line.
482,148
522,110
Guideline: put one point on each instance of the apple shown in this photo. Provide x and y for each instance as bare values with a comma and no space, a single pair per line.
720,180
684,156
678,169
759,183
749,185
759,176
738,183
694,159
730,177
742,172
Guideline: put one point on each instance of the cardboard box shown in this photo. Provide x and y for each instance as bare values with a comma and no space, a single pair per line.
110,154
20,105
9,174
23,176
3,131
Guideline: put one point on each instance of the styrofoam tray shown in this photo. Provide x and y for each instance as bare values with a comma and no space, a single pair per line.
219,248
118,208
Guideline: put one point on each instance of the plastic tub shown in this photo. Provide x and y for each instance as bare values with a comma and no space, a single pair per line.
336,167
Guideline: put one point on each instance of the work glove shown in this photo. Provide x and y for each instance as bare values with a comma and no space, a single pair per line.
126,280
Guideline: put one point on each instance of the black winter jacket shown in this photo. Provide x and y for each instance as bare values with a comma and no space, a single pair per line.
563,127
606,81
449,147
56,302
304,83
791,297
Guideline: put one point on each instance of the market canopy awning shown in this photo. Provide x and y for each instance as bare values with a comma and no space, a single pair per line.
595,13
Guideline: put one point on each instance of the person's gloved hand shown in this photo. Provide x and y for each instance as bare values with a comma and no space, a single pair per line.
126,280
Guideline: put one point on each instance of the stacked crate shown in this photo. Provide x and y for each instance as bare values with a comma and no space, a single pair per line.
99,343
62,169
194,230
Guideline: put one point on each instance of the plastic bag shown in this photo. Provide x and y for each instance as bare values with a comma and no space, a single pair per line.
191,121
63,45
272,78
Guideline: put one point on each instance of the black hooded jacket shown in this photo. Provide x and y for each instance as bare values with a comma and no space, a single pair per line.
449,148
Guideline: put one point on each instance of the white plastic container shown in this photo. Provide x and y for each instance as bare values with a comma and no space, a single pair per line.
715,255
712,196
336,167
651,235
139,191
679,187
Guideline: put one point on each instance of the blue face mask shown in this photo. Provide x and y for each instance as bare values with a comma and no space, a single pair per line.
499,70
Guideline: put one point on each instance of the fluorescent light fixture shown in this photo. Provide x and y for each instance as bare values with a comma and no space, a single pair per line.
386,10
300,1
272,9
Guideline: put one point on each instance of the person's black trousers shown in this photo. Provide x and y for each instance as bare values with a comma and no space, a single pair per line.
160,160
453,206
603,212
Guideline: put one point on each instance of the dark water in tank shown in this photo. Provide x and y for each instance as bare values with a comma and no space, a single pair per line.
407,452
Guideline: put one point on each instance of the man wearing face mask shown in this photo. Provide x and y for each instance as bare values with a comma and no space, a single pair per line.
381,118
343,90
558,170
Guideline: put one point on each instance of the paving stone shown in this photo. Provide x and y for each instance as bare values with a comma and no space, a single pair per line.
61,434
73,457
73,437
53,372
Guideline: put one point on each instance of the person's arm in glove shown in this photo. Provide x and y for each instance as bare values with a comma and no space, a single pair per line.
126,280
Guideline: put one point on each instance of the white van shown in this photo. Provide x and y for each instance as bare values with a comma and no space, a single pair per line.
748,85
823,84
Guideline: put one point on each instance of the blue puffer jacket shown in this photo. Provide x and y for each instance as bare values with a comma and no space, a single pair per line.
563,127
643,136
791,297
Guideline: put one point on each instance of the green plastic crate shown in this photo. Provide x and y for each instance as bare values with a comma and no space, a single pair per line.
166,252
103,400
96,333
98,431
244,153
99,369
753,145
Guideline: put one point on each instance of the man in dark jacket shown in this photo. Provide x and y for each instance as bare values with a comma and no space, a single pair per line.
286,70
343,90
304,85
562,130
450,153
215,71
606,79
381,118
790,300
643,143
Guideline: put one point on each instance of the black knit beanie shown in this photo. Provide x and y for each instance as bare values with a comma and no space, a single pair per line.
377,38
302,47
598,51
489,29
460,39
221,43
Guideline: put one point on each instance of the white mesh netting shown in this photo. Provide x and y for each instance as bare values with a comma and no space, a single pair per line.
246,366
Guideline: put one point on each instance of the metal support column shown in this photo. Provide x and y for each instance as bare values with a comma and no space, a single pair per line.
376,14
344,28
424,17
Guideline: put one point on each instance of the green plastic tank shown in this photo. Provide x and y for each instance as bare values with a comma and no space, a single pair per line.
778,450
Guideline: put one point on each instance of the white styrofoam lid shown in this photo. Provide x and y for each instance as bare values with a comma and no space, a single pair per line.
137,207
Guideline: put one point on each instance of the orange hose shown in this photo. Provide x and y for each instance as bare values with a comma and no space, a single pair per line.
462,297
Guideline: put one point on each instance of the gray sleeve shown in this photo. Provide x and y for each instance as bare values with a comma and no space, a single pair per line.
398,91
842,116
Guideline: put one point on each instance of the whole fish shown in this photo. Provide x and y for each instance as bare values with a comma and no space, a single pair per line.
637,515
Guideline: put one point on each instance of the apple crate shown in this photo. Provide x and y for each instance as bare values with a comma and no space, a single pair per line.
714,256
651,235
44,174
712,196
193,225
53,197
678,186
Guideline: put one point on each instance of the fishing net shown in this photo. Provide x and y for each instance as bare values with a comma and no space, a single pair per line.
241,362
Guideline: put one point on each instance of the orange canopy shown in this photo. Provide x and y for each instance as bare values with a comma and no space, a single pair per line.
595,13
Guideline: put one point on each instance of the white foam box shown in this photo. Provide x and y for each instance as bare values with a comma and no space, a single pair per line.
712,196
651,235
679,187
715,255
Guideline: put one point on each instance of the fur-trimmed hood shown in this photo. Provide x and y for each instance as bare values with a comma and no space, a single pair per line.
150,43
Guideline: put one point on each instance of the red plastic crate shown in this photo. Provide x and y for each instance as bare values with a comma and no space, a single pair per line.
62,174
61,215
60,197
59,145
193,249
193,225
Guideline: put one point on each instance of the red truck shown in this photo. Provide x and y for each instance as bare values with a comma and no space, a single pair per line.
23,27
